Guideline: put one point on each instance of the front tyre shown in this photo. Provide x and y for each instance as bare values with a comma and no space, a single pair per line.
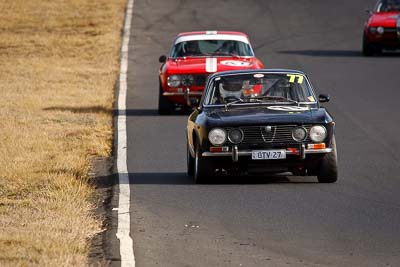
328,172
202,166
190,161
165,107
368,49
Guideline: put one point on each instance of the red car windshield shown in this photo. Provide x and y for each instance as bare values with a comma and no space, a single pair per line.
211,48
388,6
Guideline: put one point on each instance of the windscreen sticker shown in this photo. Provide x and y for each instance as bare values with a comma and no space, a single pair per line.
311,98
288,108
235,63
292,78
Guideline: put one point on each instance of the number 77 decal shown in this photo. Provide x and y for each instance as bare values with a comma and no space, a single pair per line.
292,78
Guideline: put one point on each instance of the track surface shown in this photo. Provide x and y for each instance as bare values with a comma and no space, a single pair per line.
273,221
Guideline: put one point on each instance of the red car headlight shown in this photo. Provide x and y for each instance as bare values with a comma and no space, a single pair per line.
187,80
376,30
380,30
174,81
372,30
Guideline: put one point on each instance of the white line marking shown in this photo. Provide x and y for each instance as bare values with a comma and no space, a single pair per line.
123,232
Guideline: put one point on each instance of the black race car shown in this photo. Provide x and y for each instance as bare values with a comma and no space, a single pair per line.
259,122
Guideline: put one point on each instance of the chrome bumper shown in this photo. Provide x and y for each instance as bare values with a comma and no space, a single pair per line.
182,93
186,94
235,153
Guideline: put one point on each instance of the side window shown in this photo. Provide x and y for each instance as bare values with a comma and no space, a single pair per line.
177,51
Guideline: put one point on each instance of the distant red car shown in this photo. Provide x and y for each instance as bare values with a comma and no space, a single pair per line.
382,30
193,57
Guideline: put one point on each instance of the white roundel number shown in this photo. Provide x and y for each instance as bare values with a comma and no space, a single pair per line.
235,63
288,108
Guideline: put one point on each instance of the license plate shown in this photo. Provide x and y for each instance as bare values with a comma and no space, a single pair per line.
268,154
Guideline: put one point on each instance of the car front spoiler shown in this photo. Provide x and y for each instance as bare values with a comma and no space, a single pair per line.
235,153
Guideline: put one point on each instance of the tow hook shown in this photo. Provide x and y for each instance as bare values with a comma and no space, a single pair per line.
235,154
302,151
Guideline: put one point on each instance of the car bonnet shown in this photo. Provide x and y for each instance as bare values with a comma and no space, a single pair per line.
210,64
384,19
280,114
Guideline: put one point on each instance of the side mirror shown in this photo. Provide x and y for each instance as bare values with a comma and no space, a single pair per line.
368,11
324,98
162,59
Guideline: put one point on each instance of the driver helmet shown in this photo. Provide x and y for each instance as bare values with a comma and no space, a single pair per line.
230,88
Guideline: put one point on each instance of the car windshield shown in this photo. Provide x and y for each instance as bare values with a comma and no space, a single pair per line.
289,88
211,48
388,6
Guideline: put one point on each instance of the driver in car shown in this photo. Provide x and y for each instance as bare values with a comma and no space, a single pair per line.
192,49
230,91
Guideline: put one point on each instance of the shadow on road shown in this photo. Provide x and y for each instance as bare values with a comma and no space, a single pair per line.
180,178
336,53
176,178
324,53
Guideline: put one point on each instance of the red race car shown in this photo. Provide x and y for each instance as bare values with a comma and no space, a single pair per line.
382,30
193,57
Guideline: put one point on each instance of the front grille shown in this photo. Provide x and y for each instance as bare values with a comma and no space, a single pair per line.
390,30
391,34
200,80
270,134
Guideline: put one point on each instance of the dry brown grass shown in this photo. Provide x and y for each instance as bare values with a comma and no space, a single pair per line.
58,65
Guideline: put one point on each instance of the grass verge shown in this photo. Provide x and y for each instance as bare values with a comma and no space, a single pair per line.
59,60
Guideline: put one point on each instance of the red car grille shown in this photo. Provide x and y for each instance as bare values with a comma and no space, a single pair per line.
390,35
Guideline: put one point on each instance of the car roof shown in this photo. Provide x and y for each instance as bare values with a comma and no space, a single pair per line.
212,35
211,32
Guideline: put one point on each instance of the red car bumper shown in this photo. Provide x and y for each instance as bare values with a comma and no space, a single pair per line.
184,96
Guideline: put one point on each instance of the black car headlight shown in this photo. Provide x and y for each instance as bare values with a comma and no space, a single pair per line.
317,133
299,134
217,136
174,81
235,136
187,80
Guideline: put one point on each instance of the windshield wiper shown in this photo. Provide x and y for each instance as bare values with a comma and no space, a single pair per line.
259,100
271,97
223,53
238,100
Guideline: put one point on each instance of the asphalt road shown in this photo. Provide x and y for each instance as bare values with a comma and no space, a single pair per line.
281,221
